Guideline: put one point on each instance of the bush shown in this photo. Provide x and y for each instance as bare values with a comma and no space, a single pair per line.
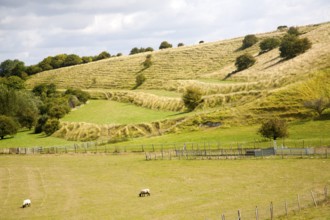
244,61
269,44
273,129
7,126
139,80
165,45
147,63
180,44
293,31
51,126
40,123
192,98
249,40
292,46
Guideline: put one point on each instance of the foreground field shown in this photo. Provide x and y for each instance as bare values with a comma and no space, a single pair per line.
107,187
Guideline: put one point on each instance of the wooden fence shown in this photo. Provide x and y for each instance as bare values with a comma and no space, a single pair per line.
283,208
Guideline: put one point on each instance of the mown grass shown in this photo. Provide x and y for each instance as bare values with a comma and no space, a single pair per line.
107,187
110,112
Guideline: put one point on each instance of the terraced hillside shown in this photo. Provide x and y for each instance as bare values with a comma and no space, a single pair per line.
266,89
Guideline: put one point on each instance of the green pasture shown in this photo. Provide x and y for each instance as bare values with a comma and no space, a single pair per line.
110,112
101,186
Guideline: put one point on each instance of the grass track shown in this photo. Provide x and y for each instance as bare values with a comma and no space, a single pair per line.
106,187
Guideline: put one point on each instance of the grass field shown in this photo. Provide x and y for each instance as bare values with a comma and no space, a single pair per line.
107,187
110,112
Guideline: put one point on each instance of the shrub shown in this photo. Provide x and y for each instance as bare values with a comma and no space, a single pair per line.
147,63
282,27
273,129
244,61
293,31
7,126
40,123
139,80
292,46
180,44
192,98
249,40
51,126
269,44
165,45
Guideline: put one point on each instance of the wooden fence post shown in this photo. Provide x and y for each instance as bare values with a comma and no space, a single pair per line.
239,215
298,202
326,193
286,208
257,214
271,211
223,217
314,199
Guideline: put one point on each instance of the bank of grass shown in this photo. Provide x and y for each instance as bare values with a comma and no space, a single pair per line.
106,187
110,112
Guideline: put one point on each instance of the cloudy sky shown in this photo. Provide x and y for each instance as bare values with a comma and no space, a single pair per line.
31,30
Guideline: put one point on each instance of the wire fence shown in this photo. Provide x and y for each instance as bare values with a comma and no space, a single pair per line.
279,208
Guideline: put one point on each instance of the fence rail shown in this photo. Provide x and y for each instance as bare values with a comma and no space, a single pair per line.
179,150
280,208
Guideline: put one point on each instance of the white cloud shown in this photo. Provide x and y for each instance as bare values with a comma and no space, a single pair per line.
33,29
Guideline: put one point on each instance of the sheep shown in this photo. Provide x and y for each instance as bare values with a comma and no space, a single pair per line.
144,192
26,202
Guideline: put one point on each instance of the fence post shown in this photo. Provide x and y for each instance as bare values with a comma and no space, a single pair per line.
298,202
314,199
223,217
326,193
286,208
271,211
239,215
257,214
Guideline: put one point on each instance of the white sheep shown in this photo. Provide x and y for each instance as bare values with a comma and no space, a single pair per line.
26,202
144,192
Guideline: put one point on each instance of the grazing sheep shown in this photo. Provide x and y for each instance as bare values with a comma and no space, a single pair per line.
144,192
26,202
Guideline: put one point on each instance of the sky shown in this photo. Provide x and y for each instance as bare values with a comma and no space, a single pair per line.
31,30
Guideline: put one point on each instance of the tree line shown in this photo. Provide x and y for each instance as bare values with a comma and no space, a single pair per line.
40,108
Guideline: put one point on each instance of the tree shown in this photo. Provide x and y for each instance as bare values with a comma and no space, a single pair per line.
292,46
249,40
13,82
273,129
103,55
12,68
180,44
45,64
7,126
134,50
71,60
58,61
51,126
244,61
269,44
81,95
87,59
192,98
40,124
165,45
33,69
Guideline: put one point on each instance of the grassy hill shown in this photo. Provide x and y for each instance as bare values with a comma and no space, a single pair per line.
266,89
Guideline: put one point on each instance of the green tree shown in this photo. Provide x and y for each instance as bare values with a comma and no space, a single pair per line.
103,55
192,97
180,44
13,82
40,124
12,68
87,59
165,45
269,44
244,61
7,126
51,126
81,95
45,64
58,61
134,50
33,69
72,59
249,40
292,46
273,129
28,109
